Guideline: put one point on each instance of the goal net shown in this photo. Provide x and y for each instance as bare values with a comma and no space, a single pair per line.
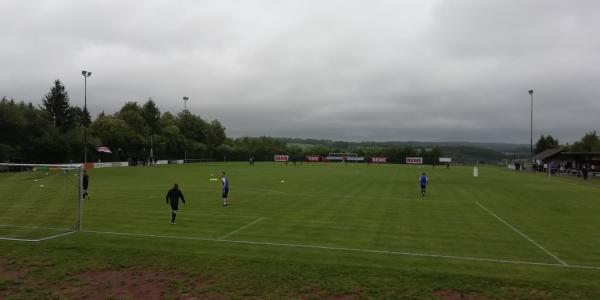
39,202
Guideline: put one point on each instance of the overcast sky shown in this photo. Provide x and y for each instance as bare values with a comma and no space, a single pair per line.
456,70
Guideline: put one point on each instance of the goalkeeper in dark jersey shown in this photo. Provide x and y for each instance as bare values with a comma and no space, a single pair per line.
85,183
172,197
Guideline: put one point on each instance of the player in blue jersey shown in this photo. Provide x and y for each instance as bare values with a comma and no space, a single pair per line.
423,181
225,188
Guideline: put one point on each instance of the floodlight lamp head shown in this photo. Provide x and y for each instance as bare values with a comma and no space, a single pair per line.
530,92
185,98
89,74
83,72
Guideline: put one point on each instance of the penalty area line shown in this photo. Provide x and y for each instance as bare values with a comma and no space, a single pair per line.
37,240
241,228
450,257
522,234
55,236
35,227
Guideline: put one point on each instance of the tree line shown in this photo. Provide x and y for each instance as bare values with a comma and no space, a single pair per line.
590,142
53,132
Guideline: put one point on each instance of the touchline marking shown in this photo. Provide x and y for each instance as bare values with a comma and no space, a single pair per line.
241,228
515,262
34,227
19,240
522,234
37,240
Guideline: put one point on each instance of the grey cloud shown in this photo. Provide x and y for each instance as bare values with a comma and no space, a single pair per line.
387,70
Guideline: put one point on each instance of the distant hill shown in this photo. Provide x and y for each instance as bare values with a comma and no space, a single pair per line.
467,152
499,147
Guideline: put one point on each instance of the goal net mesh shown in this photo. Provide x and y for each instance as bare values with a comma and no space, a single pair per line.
38,202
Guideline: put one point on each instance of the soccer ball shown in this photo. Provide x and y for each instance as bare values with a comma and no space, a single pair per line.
41,186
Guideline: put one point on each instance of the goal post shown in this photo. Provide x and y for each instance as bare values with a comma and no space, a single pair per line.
40,201
345,157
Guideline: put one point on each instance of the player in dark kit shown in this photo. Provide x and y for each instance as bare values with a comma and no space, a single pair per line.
225,188
84,185
423,181
172,197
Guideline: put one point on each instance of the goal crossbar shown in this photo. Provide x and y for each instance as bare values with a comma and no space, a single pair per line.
70,166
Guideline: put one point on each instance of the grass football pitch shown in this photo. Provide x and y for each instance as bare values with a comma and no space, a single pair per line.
306,231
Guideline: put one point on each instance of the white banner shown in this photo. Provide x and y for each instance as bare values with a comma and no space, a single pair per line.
282,157
103,165
355,158
111,164
313,158
445,159
162,162
414,160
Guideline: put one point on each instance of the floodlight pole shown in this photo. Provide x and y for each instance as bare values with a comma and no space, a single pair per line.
185,100
531,124
85,75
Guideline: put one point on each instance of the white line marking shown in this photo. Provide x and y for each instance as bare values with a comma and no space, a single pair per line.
16,239
522,234
493,260
34,227
37,240
241,228
55,236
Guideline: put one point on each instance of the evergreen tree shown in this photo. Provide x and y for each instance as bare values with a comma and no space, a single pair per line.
588,143
151,115
56,104
545,143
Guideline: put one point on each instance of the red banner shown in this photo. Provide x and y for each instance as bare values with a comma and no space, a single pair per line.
282,157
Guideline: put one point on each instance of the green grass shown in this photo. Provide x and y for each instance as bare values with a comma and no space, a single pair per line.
328,230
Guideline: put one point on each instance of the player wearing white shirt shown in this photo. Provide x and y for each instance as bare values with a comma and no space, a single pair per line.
225,182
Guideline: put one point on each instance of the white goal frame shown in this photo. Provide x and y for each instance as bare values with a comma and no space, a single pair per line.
66,231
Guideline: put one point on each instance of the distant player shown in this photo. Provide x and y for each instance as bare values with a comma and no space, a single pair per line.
225,188
423,181
84,184
172,197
